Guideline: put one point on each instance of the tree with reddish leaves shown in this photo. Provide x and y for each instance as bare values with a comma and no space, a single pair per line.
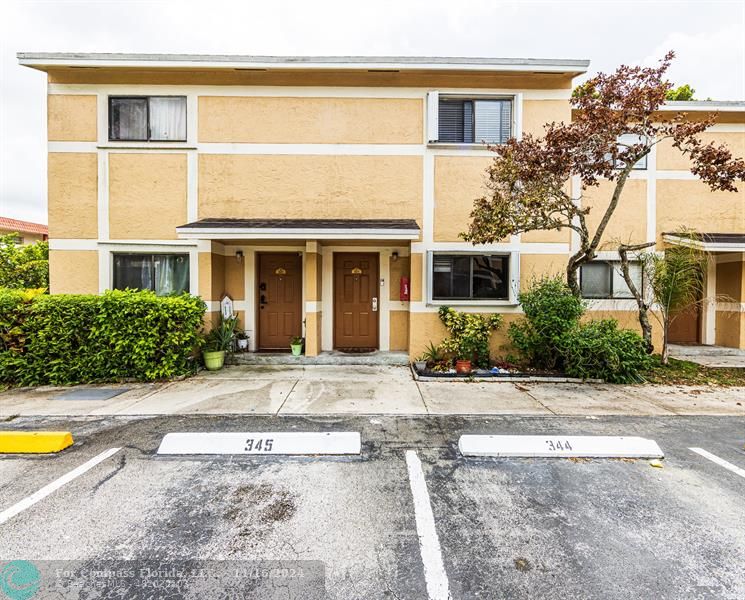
527,184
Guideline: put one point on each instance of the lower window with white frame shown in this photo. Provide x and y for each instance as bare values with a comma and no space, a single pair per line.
601,279
470,277
163,274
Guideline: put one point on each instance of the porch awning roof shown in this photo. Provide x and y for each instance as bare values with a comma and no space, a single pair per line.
711,242
313,229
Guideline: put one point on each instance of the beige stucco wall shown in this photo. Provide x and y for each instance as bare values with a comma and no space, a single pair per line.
459,180
71,118
147,195
72,195
629,221
425,327
303,186
313,274
730,329
730,281
73,272
535,266
536,113
217,272
553,236
691,204
313,333
235,285
415,268
399,330
669,158
399,268
277,120
205,276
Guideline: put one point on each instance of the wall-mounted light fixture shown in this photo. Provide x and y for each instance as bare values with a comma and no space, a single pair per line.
394,256
239,256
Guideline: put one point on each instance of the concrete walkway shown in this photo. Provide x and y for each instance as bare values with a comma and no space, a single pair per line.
709,356
367,390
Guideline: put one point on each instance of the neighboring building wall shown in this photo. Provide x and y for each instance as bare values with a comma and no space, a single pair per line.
24,236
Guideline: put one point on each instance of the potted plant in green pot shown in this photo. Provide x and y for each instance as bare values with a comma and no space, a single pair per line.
296,345
217,342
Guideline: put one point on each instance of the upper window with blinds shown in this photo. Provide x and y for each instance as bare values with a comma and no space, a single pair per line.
474,120
147,118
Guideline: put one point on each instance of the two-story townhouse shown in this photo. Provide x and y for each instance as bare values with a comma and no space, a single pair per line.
326,195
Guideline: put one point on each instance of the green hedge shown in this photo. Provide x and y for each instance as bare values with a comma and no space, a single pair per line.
68,339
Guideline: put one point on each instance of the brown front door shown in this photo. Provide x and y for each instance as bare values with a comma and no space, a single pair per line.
356,300
279,299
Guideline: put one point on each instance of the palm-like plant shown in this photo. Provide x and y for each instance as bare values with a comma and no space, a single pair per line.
220,338
676,282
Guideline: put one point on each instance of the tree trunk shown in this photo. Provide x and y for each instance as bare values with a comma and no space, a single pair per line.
646,326
665,348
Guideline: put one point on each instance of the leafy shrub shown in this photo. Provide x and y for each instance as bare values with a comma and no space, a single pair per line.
469,334
23,266
599,349
67,339
551,310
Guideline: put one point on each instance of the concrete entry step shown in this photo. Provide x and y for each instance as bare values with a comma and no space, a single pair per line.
325,358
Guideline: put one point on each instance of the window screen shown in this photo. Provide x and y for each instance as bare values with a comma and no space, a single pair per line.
162,273
470,277
469,121
128,119
602,279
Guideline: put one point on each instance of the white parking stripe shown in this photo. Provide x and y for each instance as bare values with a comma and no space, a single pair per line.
429,544
18,507
720,461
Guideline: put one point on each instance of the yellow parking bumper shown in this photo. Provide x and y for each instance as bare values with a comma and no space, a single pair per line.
34,442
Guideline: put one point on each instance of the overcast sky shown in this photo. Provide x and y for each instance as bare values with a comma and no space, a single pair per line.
709,37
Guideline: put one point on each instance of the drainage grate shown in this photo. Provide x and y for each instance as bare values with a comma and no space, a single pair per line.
91,394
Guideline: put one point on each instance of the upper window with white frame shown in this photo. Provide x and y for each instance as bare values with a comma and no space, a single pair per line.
604,280
475,120
629,139
470,277
147,118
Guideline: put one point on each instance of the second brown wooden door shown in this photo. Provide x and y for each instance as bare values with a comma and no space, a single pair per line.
356,299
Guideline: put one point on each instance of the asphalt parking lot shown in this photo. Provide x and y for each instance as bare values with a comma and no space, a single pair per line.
503,528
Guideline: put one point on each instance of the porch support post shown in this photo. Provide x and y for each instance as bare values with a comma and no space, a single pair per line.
205,266
313,300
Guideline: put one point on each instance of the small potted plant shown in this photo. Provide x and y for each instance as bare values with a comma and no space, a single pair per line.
216,343
463,361
431,355
241,340
296,345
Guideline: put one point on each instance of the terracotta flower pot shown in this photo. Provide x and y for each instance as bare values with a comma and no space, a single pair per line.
463,366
